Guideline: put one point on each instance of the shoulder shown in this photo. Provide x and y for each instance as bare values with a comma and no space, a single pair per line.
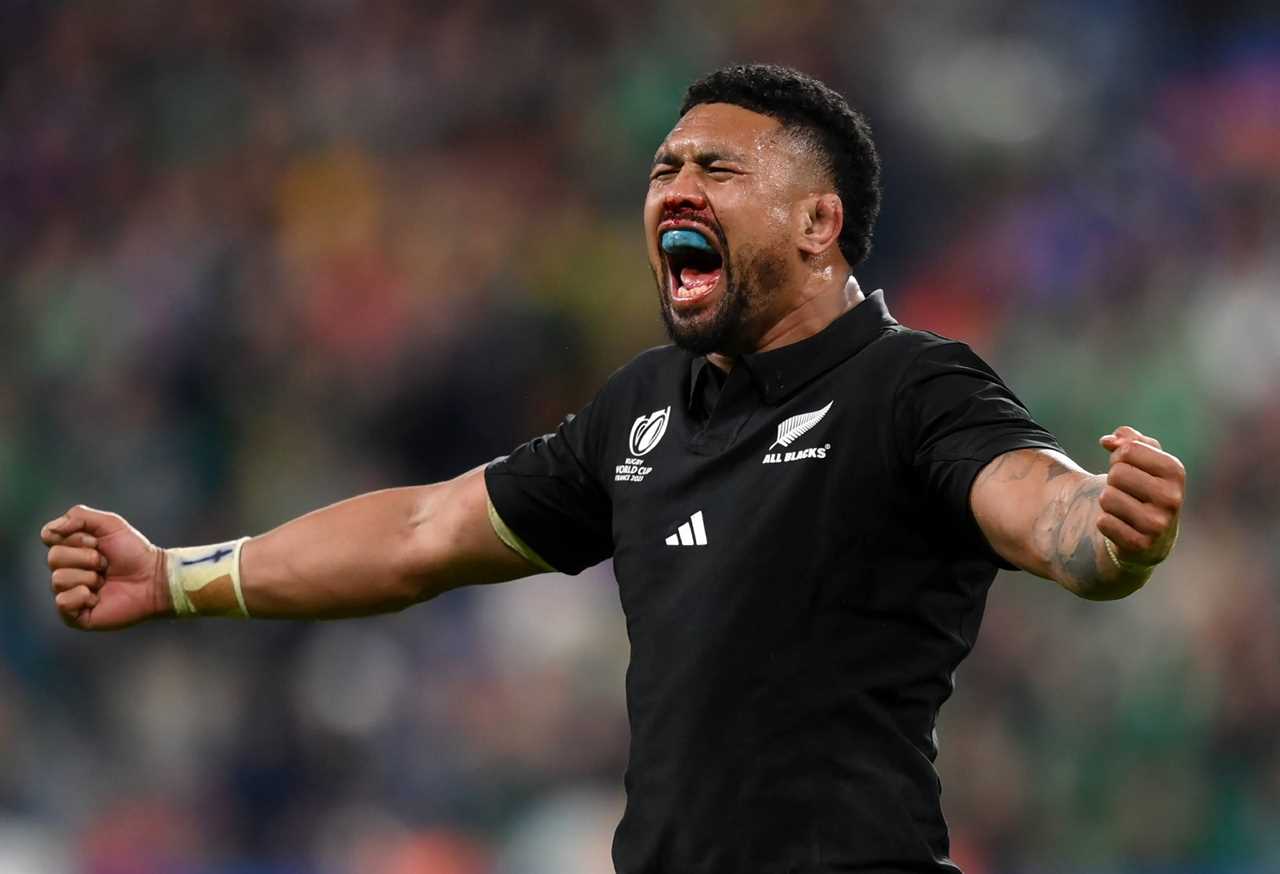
931,373
910,354
654,377
653,369
652,363
912,343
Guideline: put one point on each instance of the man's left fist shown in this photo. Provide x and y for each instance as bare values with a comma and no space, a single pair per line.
1142,498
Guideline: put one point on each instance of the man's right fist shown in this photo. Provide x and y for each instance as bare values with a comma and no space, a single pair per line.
105,574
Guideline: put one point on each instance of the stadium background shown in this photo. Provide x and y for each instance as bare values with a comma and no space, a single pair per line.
257,256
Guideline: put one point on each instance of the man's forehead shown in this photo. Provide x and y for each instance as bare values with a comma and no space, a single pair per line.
719,127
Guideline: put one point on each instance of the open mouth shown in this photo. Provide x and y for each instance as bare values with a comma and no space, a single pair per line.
694,262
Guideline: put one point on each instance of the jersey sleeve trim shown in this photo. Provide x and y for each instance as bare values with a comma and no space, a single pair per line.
514,541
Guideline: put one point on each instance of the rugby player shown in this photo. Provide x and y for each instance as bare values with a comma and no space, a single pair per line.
804,500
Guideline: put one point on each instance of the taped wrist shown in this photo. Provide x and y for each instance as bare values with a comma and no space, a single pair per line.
205,580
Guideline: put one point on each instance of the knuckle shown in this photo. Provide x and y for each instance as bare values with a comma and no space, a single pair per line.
69,578
1127,537
1112,500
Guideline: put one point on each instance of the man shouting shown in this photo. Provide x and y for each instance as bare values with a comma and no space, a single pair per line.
804,500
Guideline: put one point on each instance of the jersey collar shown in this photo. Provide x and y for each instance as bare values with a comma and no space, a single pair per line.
780,372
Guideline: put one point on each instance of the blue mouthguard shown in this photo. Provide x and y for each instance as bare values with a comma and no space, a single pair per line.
683,238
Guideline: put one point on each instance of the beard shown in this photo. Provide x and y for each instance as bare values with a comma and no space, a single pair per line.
749,282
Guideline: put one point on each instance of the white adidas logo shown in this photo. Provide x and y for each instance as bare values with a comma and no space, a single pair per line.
691,533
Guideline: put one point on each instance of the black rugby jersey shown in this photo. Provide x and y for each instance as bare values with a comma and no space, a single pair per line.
801,574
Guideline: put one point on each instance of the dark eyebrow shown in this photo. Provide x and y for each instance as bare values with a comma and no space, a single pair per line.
666,156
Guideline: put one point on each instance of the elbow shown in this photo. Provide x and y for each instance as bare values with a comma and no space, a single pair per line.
427,545
408,574
415,565
408,564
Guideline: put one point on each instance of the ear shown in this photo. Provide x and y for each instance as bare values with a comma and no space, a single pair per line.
821,220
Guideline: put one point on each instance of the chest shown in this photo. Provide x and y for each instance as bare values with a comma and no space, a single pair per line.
753,502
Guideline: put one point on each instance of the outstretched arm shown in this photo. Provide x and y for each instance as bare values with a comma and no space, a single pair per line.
375,553
1045,514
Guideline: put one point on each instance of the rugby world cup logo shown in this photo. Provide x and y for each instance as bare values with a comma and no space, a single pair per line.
648,430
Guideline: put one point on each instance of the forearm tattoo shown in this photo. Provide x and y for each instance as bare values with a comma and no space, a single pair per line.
1064,533
1068,523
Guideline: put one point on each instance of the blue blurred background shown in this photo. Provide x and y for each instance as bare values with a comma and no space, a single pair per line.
259,255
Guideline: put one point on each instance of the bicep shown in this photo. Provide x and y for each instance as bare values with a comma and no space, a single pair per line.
1019,500
453,538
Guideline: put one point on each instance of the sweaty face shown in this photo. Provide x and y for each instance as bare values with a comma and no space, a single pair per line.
718,225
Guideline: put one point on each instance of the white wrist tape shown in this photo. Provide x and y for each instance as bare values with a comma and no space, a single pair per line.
205,580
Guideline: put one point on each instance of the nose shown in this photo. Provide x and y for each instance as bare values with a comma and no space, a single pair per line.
684,192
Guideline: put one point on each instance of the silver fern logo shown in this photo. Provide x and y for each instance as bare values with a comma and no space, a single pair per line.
796,427
791,430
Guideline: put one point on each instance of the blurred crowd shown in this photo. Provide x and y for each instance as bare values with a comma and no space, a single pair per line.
259,256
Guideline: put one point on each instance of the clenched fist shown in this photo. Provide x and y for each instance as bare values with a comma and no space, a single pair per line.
1143,497
105,574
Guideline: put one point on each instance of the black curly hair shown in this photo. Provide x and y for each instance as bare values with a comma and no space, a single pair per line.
840,134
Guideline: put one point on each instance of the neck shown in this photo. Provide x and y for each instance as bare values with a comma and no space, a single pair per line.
824,299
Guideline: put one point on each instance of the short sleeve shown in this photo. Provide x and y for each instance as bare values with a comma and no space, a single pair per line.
547,494
956,415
